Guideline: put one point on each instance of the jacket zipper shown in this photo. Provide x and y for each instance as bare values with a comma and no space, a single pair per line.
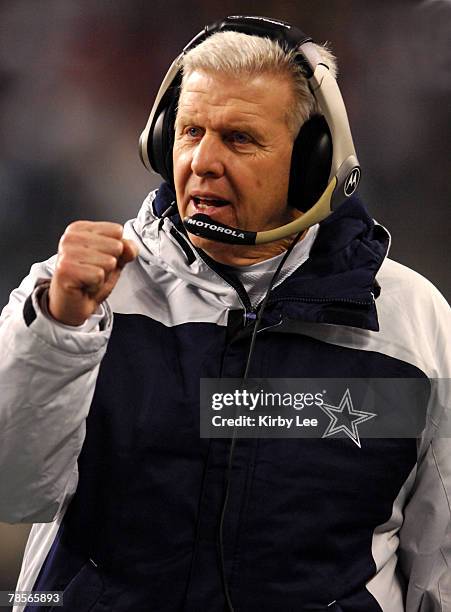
249,312
322,300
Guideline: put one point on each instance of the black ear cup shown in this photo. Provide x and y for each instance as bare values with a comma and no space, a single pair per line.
161,139
310,163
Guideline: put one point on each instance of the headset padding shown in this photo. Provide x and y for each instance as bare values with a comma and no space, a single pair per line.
310,163
161,139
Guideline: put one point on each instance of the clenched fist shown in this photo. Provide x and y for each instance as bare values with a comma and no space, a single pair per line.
91,256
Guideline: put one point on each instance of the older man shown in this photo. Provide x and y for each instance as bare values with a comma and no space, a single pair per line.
100,425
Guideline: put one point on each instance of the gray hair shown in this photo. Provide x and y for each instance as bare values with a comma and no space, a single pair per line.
240,54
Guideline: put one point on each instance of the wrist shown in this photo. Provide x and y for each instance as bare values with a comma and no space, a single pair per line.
47,307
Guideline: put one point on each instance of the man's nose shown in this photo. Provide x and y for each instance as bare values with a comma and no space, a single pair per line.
208,157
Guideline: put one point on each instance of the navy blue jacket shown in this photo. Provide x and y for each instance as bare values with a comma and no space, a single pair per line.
303,515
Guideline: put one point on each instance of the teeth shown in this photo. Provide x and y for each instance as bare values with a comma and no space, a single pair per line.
205,202
199,200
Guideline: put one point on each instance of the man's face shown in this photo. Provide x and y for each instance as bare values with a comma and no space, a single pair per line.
232,155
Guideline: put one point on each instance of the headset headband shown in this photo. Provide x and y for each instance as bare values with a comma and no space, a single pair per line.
344,175
288,36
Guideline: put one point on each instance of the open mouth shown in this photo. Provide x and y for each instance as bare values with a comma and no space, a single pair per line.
205,203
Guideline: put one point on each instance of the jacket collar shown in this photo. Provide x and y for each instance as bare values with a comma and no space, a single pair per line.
337,283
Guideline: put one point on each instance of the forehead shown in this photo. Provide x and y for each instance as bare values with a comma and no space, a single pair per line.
256,99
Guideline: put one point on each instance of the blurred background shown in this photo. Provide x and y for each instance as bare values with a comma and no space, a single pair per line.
77,81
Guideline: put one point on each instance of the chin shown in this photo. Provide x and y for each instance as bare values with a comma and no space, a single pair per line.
211,247
227,254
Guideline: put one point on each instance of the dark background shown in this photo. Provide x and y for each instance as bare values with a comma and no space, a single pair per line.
77,80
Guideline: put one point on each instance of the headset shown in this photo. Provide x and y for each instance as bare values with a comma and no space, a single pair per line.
324,167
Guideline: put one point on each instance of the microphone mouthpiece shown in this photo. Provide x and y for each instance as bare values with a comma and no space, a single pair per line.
201,225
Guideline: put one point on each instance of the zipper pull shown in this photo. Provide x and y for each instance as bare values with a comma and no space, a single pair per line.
249,317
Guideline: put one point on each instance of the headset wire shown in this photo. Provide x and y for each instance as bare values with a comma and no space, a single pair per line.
258,320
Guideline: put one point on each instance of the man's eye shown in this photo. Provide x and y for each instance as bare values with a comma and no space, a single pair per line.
240,138
192,132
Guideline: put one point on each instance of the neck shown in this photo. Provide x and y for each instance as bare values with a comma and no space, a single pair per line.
242,255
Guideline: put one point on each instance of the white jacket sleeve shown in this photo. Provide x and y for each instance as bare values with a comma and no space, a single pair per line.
47,379
425,537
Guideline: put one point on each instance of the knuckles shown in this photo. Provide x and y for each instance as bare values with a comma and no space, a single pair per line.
117,248
79,234
62,264
88,253
70,237
66,274
110,263
98,277
65,265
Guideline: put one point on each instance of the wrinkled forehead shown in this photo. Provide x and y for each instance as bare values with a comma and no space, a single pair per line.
259,86
263,95
271,78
